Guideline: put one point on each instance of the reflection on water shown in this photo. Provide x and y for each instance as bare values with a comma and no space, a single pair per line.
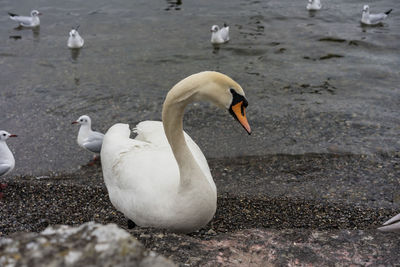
15,37
35,32
312,13
216,48
174,5
75,53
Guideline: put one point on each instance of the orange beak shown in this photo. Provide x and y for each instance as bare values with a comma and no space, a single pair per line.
240,113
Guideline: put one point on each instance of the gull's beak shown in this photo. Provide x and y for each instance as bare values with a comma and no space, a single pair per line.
239,112
13,135
74,122
39,14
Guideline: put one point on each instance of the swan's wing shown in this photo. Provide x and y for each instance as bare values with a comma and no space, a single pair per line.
4,168
153,132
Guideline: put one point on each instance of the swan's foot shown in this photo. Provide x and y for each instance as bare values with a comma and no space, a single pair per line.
131,224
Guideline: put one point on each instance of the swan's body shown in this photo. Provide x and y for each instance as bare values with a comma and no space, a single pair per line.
219,36
392,225
87,138
74,39
161,178
373,19
25,21
313,5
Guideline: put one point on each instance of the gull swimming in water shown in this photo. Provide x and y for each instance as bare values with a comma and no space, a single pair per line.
392,225
75,40
7,161
25,21
313,5
373,19
87,138
219,36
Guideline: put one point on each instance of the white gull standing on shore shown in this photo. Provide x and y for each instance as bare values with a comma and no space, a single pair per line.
87,138
7,161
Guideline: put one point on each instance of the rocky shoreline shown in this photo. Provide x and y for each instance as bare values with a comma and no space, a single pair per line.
278,209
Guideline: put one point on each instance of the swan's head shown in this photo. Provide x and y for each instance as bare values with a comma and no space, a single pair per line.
225,93
35,13
83,120
365,9
5,135
214,28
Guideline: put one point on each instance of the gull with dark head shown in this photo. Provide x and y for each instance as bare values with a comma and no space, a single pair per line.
75,40
219,36
313,5
373,19
87,138
26,21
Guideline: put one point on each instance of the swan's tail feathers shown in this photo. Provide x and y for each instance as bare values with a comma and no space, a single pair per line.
388,12
120,129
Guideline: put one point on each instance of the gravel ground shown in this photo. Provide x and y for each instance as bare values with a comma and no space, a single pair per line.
311,196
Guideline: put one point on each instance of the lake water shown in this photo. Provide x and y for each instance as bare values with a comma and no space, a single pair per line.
316,82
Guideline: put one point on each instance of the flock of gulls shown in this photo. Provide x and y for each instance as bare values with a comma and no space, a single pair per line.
180,195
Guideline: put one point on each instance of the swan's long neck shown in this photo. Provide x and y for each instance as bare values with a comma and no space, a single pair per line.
172,117
177,99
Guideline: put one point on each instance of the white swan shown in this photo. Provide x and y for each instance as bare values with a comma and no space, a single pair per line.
161,178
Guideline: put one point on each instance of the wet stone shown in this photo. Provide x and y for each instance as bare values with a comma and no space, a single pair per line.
89,244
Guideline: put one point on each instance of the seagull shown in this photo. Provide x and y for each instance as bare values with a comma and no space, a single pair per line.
7,161
87,138
32,21
75,40
392,225
373,19
219,36
313,5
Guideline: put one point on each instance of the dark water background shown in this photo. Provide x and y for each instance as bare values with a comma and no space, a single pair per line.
316,82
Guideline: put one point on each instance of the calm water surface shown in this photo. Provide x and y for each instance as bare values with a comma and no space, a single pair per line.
316,82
